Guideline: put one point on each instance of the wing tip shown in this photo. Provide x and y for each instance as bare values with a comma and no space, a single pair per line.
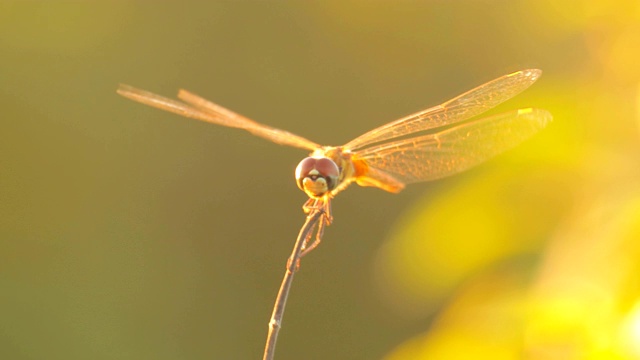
124,88
541,116
533,74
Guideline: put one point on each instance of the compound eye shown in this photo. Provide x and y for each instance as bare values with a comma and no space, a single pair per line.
327,168
304,167
317,176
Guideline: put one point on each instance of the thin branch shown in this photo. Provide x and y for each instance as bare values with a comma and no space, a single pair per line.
292,266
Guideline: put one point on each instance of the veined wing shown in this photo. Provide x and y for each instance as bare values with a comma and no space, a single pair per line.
460,108
456,149
204,110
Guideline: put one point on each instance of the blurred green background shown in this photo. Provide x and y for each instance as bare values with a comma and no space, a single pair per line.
131,233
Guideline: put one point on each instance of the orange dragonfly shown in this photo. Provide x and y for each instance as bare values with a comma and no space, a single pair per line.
427,145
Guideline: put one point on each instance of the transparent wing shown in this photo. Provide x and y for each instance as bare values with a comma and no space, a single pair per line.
460,108
204,110
456,149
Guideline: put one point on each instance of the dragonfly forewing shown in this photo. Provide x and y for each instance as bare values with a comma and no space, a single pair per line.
460,108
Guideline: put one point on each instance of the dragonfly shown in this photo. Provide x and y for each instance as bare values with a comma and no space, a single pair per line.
430,144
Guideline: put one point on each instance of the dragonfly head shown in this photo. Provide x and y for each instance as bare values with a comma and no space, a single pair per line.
317,176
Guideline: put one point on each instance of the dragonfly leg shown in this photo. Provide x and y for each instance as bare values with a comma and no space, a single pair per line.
307,248
297,264
323,204
326,205
326,208
309,205
296,267
318,204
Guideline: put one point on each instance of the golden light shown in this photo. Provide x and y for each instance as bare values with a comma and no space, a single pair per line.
630,333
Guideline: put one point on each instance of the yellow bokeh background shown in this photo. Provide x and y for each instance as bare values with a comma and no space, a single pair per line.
131,233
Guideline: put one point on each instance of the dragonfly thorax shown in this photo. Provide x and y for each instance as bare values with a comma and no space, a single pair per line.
317,176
